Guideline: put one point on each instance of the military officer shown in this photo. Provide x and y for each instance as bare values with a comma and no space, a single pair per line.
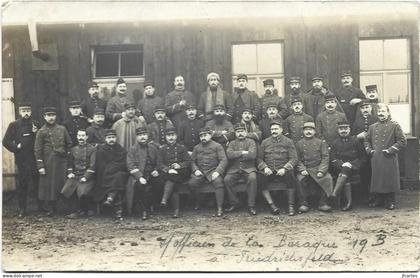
96,132
252,129
150,101
243,97
295,86
276,160
93,102
270,96
242,154
116,105
372,99
272,116
158,127
293,126
188,132
20,139
76,121
221,127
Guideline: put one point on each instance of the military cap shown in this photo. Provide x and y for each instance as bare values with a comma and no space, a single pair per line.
191,106
242,76
110,132
271,104
50,110
219,106
141,130
98,111
239,126
24,105
309,125
74,104
294,79
296,99
343,124
370,88
268,82
276,123
317,77
92,84
148,83
170,130
205,130
159,108
365,102
120,81
129,105
247,109
346,73
329,96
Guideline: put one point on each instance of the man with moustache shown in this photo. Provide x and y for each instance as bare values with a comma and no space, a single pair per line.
111,173
188,132
372,99
222,128
19,139
214,95
52,147
127,125
349,96
252,129
242,97
312,169
76,121
276,161
157,129
80,174
242,154
293,127
174,164
271,97
272,113
96,132
208,163
142,159
384,140
295,86
116,105
326,121
177,101
150,101
346,158
93,102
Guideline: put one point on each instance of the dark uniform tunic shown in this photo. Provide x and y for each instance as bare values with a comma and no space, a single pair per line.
82,164
293,127
267,99
188,133
115,107
245,98
147,107
52,146
344,96
170,154
218,129
90,104
176,112
327,125
386,135
266,126
209,158
314,102
362,123
73,124
96,134
347,149
157,131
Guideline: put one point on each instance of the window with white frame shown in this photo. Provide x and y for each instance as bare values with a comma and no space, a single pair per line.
259,61
386,63
113,61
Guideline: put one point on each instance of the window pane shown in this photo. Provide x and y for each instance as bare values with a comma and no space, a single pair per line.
396,88
106,64
131,64
371,54
401,114
396,54
372,79
270,58
244,58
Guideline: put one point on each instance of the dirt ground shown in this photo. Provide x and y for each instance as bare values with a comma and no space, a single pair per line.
364,239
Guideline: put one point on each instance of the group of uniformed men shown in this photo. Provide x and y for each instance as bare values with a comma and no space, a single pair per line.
322,140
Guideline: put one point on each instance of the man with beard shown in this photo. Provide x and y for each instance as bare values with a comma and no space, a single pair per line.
242,154
20,139
252,129
93,102
127,125
174,164
76,121
326,121
272,116
157,129
96,132
383,142
222,128
349,96
270,97
276,160
295,91
80,173
177,101
314,99
52,146
116,105
242,97
294,123
312,169
212,97
208,164
188,132
111,173
346,158
142,161
150,101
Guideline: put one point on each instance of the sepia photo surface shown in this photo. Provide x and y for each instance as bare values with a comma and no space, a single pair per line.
280,200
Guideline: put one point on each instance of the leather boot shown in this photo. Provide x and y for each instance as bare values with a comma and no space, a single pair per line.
347,193
291,201
341,181
167,192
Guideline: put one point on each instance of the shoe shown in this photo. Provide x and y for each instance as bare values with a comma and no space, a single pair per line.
291,210
163,204
324,208
252,211
219,213
303,208
176,214
145,215
118,216
21,213
231,208
108,201
390,206
274,209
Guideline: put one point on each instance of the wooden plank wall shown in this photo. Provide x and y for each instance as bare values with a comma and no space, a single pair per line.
193,49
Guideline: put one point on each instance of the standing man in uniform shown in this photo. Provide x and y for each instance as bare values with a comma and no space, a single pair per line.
242,154
188,132
52,147
271,97
272,113
150,101
295,86
20,139
93,102
76,121
294,123
157,129
349,96
116,105
177,101
96,132
384,140
252,129
242,97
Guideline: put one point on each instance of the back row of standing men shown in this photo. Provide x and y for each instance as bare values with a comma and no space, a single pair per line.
217,110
